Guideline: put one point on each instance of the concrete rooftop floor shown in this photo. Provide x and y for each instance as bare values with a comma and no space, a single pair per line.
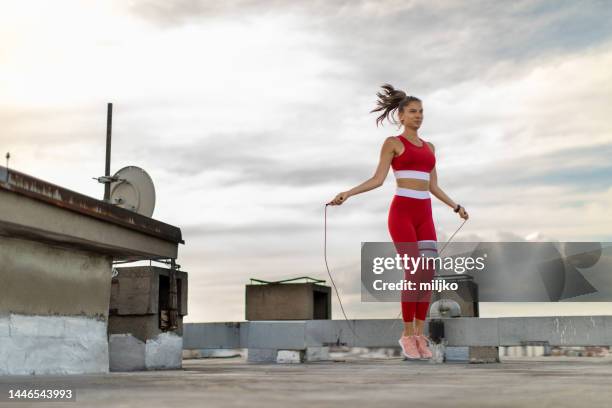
231,382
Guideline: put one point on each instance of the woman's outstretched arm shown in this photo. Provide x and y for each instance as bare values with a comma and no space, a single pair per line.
435,189
386,155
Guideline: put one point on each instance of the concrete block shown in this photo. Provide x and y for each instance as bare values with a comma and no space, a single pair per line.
139,296
317,354
472,354
287,301
164,352
484,354
261,355
136,290
457,354
126,353
290,356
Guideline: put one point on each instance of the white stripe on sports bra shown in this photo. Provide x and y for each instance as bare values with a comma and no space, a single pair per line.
421,175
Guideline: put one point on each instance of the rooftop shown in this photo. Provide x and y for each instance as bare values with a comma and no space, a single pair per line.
519,382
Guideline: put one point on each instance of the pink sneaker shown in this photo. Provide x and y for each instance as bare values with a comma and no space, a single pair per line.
409,347
421,342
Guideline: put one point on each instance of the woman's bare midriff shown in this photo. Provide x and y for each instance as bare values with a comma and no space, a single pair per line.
413,184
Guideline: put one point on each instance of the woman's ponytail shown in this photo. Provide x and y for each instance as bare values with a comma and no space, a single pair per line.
390,100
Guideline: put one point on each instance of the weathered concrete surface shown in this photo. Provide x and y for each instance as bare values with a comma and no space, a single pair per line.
164,351
137,294
42,345
544,382
34,220
29,218
36,278
136,290
127,353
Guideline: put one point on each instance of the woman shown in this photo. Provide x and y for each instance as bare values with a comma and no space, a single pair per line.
410,216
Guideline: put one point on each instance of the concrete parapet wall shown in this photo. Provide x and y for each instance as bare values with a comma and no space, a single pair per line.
461,331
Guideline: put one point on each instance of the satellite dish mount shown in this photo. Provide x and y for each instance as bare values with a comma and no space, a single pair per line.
131,187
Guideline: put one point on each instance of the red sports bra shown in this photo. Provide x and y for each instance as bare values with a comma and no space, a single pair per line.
415,162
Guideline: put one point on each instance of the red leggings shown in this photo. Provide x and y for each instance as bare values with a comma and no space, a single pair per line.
410,220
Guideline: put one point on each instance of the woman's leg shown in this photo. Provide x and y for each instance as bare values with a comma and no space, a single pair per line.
427,242
428,249
402,231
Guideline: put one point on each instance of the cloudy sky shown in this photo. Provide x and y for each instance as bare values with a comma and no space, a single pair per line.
250,115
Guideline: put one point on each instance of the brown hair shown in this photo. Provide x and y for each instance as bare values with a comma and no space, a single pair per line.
390,100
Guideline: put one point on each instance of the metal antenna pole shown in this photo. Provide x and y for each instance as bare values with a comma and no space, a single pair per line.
109,126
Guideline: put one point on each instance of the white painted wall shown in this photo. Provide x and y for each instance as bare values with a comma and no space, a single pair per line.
45,345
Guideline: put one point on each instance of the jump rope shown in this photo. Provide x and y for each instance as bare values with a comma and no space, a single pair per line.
351,326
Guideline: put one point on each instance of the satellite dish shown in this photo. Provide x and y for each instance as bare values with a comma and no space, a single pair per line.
133,190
